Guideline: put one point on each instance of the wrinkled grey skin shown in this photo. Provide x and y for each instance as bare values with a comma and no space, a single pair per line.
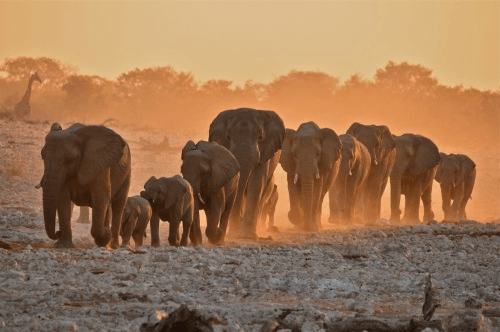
382,148
136,216
269,207
213,173
89,166
456,174
347,190
171,200
311,157
254,137
412,175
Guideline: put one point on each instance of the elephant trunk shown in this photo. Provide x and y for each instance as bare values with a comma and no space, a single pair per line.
395,196
51,190
248,158
307,184
342,195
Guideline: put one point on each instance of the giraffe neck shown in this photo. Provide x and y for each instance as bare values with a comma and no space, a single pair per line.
27,94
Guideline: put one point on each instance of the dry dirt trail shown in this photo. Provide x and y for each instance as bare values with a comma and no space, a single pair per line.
307,282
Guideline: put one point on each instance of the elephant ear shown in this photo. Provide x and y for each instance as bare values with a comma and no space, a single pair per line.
426,156
101,148
388,141
274,133
218,128
190,146
331,150
223,164
353,129
467,166
176,191
286,160
55,127
439,173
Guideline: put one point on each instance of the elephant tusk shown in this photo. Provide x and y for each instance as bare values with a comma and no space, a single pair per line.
201,199
350,173
296,178
376,162
38,186
317,176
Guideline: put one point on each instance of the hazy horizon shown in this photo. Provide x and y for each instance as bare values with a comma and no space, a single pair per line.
260,41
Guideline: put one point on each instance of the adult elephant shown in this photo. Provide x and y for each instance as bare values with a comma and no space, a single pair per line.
254,137
416,163
382,148
456,174
89,166
348,188
213,173
310,156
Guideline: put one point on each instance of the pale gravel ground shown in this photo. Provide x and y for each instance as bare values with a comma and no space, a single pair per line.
245,283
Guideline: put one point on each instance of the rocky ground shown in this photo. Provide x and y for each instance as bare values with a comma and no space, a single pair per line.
305,282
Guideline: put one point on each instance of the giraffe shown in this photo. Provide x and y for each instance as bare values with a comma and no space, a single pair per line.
22,109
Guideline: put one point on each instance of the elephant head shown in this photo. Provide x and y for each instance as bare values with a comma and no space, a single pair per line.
208,167
454,171
309,154
166,192
415,156
79,153
252,136
377,139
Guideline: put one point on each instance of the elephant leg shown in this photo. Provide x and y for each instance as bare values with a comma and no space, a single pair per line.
212,231
295,213
187,223
350,202
457,200
139,231
64,214
118,205
271,211
126,230
427,202
318,197
195,233
99,231
224,218
84,217
334,204
412,201
256,186
155,228
173,233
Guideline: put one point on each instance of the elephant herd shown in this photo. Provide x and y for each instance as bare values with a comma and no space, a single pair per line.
231,178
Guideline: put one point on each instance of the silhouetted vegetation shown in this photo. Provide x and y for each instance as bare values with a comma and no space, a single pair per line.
406,97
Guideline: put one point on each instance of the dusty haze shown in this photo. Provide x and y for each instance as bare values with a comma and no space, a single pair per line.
162,101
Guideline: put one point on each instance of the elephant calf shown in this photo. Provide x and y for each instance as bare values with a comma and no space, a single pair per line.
213,173
135,219
456,174
347,190
171,200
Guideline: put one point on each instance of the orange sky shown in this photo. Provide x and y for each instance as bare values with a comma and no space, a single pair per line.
459,40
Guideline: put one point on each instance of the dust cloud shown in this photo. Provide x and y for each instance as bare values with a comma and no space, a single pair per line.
153,103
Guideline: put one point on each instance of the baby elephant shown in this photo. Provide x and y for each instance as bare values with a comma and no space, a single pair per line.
213,172
456,174
171,200
135,219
